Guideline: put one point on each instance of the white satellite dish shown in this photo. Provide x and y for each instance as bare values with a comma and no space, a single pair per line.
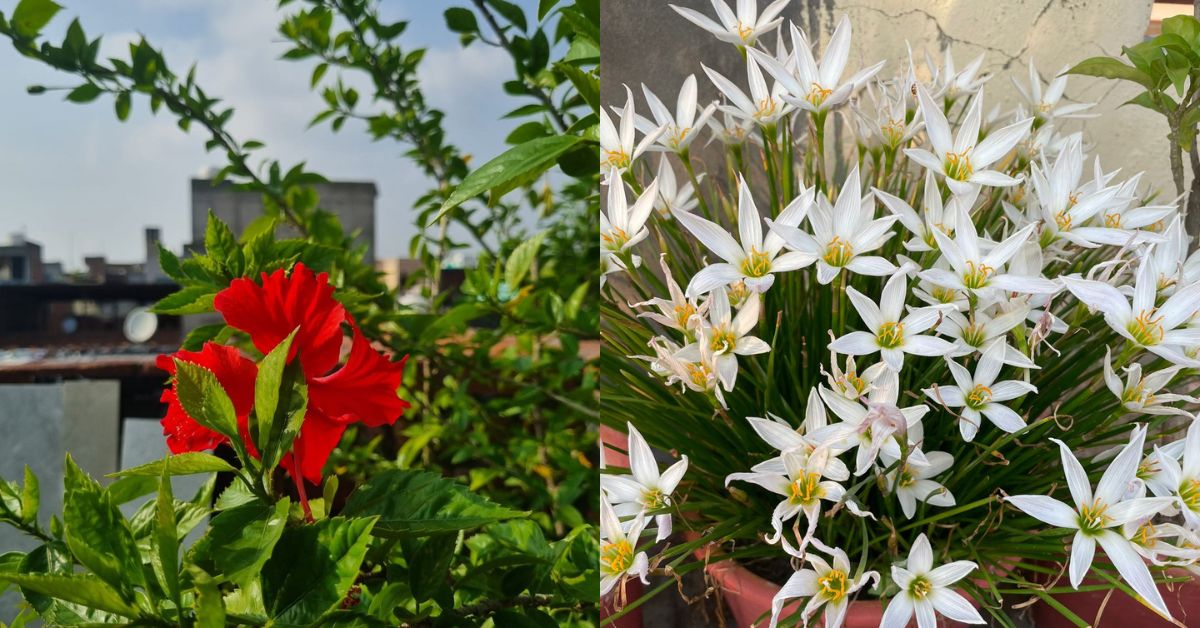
140,325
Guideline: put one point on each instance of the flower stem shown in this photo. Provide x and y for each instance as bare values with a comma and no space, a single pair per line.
300,492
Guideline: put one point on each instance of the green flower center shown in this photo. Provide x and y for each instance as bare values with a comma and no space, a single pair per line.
817,95
977,275
1092,517
615,239
723,341
807,489
890,335
756,264
833,585
654,499
1146,329
979,397
920,588
1189,493
958,165
838,253
616,557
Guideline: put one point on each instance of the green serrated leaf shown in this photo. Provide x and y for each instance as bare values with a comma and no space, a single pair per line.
98,535
419,503
85,590
190,300
165,559
240,540
267,392
30,497
313,568
204,400
1107,67
31,16
189,463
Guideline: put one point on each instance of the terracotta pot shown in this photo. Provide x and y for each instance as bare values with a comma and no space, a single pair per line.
1183,600
749,595
614,445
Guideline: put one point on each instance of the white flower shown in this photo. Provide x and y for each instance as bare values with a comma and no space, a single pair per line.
1095,514
842,233
887,122
679,130
848,382
891,332
624,226
978,273
1065,207
617,148
803,487
954,83
962,159
981,329
873,425
680,313
764,105
673,197
618,549
1185,479
742,28
914,483
1154,327
926,591
777,433
1139,394
813,87
980,394
827,585
934,214
646,490
698,374
756,258
725,337
1045,102
731,130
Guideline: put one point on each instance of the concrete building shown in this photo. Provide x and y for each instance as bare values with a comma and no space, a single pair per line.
352,201
20,261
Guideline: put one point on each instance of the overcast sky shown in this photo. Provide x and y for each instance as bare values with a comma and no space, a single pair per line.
76,180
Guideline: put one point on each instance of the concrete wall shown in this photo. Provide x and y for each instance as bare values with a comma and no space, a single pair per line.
646,41
353,202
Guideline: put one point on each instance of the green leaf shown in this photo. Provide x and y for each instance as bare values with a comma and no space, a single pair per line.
1107,67
460,20
31,16
165,559
189,463
189,300
128,489
1184,26
97,534
586,83
85,590
30,497
419,503
267,393
313,568
209,604
511,12
544,7
204,333
428,560
240,540
123,103
204,400
219,241
518,164
521,260
85,93
453,320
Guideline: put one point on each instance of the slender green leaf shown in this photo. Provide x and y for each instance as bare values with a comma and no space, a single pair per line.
189,463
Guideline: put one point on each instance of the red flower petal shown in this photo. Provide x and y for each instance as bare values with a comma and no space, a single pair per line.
364,390
318,437
236,375
271,311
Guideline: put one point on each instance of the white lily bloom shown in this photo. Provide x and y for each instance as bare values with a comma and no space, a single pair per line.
763,105
913,483
891,332
680,129
842,233
934,214
926,591
779,434
1156,328
618,548
962,160
980,395
623,226
972,334
1151,471
695,374
644,489
617,148
673,197
742,28
873,425
803,486
887,123
953,83
1065,207
1149,540
825,585
756,258
849,383
731,130
813,87
726,337
1139,394
680,313
1094,516
1172,264
1185,477
1045,102
978,273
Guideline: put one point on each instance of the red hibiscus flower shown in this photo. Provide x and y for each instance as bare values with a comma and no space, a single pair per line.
363,390
236,374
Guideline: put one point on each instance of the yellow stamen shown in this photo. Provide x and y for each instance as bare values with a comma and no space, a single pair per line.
977,276
1092,517
958,165
1146,329
1112,220
615,239
817,95
723,341
979,397
615,558
890,335
1189,494
616,158
756,264
920,587
833,585
684,314
838,253
807,489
